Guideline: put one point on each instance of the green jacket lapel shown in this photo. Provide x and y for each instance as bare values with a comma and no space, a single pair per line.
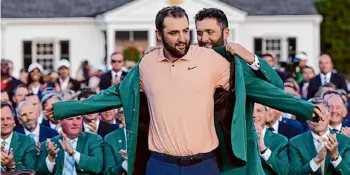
309,143
81,142
14,144
267,138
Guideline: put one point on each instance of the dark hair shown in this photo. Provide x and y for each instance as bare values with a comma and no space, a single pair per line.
330,85
29,78
267,55
19,86
5,104
171,11
23,70
213,13
308,67
48,96
86,93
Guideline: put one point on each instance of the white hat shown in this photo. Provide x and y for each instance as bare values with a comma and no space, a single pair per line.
301,56
62,63
35,66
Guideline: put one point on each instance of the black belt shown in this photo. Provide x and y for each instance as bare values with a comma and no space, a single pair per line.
183,160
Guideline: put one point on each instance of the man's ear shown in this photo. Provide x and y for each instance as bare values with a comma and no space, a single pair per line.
226,33
345,112
159,35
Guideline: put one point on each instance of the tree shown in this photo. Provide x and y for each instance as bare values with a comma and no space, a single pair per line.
131,53
335,32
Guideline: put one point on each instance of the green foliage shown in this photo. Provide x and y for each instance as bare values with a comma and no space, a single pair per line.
335,32
131,53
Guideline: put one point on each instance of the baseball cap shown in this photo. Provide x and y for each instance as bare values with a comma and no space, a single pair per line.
35,66
301,56
63,63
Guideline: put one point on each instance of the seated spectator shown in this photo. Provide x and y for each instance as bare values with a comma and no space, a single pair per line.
110,116
94,84
92,122
34,99
8,83
279,125
65,81
19,93
5,97
338,112
17,150
71,152
28,119
270,59
320,151
291,87
48,100
308,74
115,151
23,75
273,147
68,95
35,81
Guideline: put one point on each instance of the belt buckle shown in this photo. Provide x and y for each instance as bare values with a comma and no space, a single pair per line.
196,159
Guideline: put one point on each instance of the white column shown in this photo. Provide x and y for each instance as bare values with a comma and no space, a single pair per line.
316,49
110,42
152,40
3,40
194,35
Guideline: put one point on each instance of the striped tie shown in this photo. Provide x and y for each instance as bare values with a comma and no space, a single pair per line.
3,148
69,164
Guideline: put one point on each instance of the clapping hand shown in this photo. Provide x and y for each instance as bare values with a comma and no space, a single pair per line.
7,159
331,145
93,126
65,143
52,150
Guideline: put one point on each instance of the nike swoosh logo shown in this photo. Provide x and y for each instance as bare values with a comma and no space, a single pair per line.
190,68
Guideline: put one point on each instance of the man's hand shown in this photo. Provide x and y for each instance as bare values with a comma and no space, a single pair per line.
235,48
93,126
151,49
346,131
65,143
319,113
48,112
320,156
331,144
124,154
116,81
52,150
7,160
38,147
261,143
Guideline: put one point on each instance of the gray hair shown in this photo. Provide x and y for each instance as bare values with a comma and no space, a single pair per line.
21,105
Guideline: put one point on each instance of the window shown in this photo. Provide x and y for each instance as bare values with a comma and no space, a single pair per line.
45,54
269,45
27,53
292,47
64,45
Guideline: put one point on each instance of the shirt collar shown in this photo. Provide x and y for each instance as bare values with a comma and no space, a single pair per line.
316,137
8,140
338,127
328,75
119,73
264,132
35,132
161,56
64,81
275,125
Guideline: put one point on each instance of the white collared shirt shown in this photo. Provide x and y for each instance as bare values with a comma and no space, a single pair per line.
304,89
116,74
41,117
55,127
319,145
64,83
36,89
328,77
268,152
86,126
8,142
256,63
51,165
35,133
338,127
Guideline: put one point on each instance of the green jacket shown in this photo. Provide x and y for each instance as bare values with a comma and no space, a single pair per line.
90,148
24,151
278,162
248,89
302,150
113,143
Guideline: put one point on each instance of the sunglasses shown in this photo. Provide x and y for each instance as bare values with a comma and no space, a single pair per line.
117,61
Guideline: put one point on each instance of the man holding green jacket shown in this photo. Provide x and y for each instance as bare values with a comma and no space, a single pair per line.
178,84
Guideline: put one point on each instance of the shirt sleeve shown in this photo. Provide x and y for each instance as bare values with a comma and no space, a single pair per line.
266,154
314,166
76,157
125,165
50,165
337,162
256,64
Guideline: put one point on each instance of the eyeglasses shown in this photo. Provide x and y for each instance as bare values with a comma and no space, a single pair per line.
116,61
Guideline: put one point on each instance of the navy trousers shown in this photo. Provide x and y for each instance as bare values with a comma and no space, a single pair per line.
155,166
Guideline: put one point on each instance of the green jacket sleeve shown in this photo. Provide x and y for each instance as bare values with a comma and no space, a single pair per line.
112,159
29,157
42,168
344,166
279,159
104,100
296,166
92,161
269,95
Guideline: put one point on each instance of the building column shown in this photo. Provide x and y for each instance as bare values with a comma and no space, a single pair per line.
152,39
110,42
194,34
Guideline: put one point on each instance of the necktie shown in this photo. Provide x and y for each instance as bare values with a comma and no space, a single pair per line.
319,146
3,148
325,80
69,164
271,129
335,130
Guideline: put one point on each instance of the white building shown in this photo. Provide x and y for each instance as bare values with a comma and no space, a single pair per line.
45,31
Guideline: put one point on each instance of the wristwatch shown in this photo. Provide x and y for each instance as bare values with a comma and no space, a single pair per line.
72,153
336,158
262,152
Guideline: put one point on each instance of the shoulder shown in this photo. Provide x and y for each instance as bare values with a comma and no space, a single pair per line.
279,138
315,79
343,139
48,130
293,123
22,137
112,136
92,137
297,139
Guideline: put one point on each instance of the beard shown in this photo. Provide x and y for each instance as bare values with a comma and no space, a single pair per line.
211,43
172,49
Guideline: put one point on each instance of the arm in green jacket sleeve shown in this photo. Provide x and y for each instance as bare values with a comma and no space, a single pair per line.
296,166
92,161
29,157
344,165
269,95
279,159
104,100
42,168
112,159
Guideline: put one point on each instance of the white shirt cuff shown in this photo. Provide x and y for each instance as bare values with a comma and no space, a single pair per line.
76,157
50,165
256,64
314,166
266,154
337,162
125,165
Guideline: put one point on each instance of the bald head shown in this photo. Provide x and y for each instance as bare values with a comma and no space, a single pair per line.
326,63
338,109
27,115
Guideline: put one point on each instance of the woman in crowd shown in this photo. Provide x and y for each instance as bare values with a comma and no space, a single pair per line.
35,79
